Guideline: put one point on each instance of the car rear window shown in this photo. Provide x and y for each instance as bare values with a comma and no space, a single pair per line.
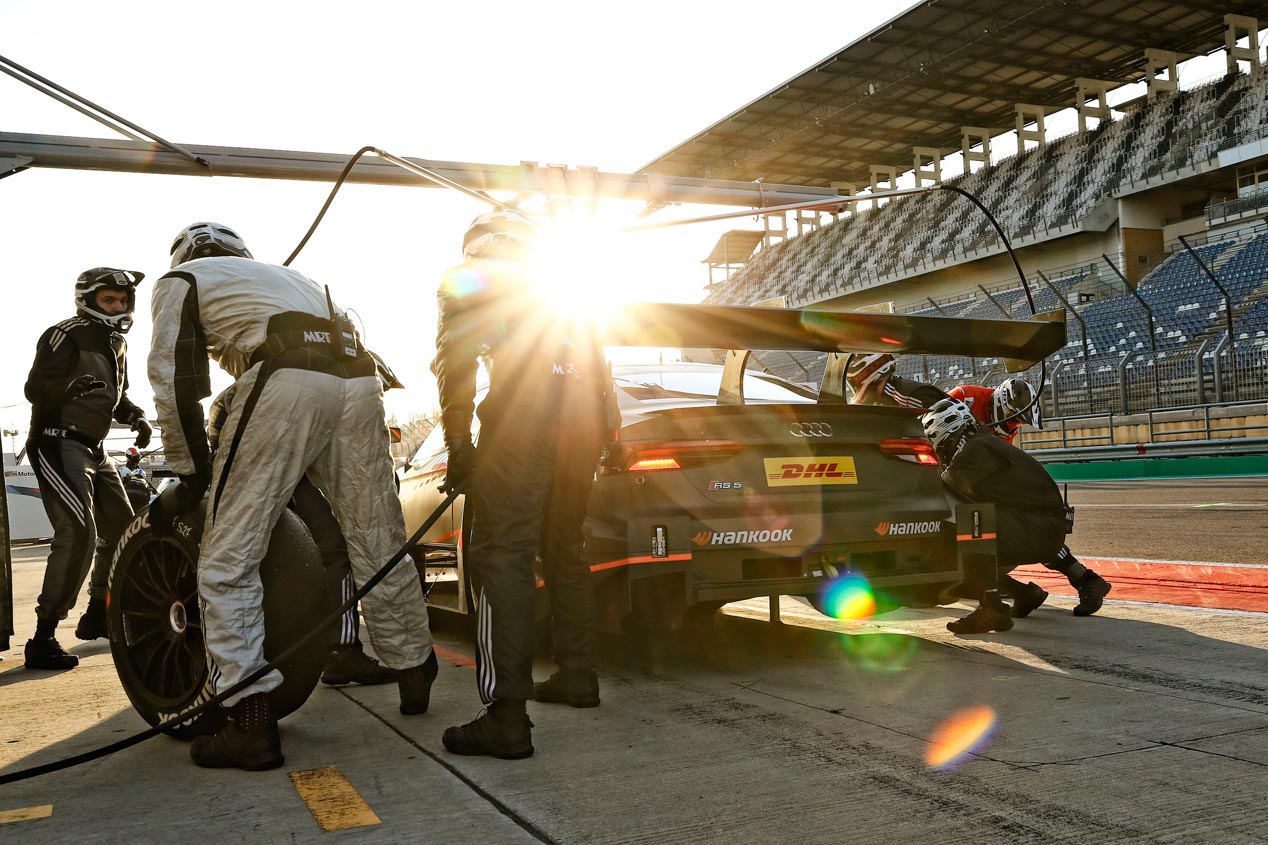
704,384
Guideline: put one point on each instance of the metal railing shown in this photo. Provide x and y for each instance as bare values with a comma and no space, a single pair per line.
1203,427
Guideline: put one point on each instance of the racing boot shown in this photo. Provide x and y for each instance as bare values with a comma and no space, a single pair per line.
43,651
1092,592
503,730
575,687
991,615
348,664
1026,597
92,625
415,685
249,740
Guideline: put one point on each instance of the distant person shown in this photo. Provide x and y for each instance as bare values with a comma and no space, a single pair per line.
1029,511
873,381
77,386
307,401
1004,410
543,426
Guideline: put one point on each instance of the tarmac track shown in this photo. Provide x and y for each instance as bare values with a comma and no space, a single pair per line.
1142,724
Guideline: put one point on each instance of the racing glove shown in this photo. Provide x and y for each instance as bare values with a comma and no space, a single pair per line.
83,385
143,431
176,500
461,462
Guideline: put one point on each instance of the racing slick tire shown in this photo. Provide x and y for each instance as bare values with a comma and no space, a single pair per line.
155,624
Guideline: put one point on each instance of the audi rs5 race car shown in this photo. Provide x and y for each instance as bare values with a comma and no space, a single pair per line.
700,503
727,484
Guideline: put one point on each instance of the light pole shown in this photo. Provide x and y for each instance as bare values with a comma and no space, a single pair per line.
12,434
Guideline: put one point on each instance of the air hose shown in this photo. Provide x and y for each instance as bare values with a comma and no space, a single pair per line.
136,739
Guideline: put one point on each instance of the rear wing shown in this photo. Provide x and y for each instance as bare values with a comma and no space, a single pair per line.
1022,343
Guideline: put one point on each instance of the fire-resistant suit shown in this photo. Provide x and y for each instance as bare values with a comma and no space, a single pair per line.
542,427
300,407
81,489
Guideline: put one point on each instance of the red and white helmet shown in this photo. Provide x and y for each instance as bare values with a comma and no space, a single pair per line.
499,234
947,422
1015,400
202,240
868,374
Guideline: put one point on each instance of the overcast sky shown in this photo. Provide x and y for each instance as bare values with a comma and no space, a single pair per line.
610,85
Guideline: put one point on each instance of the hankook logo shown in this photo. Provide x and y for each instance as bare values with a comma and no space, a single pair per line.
891,529
810,429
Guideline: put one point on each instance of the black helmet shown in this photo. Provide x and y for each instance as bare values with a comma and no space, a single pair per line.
91,281
498,234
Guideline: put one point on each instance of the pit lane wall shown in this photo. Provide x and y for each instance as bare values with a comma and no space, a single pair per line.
1199,442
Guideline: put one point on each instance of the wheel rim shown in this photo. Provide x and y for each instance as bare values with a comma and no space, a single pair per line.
162,626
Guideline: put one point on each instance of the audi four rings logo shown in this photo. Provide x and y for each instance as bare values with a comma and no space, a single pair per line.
810,429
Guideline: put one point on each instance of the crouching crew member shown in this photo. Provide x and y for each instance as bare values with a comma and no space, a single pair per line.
1004,410
307,401
77,385
1029,512
542,429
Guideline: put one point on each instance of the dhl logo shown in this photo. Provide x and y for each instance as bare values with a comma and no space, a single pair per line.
815,472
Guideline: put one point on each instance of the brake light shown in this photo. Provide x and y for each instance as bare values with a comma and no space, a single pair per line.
649,464
913,449
652,457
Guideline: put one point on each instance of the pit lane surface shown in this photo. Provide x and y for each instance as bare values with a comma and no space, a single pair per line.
1142,724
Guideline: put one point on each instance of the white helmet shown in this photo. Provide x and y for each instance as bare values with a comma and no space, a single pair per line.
91,281
867,375
499,234
1016,399
200,240
946,422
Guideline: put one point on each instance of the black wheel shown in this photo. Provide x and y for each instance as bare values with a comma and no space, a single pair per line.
156,634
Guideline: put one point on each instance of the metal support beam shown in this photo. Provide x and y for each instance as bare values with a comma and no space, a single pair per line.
1228,302
126,156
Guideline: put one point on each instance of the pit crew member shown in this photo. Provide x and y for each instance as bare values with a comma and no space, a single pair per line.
78,384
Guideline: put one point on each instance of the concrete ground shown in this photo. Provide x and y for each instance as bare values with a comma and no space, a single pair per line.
1146,723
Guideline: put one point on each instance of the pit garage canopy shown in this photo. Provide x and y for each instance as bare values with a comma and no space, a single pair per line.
940,66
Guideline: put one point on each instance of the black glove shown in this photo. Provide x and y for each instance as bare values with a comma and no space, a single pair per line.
175,500
461,461
84,385
143,431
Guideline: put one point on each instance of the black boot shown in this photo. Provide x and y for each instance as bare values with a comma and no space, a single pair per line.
1092,592
575,687
991,615
503,730
43,651
1026,598
92,625
249,740
415,685
348,664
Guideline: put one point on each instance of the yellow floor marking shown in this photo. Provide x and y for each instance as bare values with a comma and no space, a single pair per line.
334,803
26,814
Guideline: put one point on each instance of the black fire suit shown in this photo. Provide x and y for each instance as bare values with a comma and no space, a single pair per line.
542,429
82,493
1029,511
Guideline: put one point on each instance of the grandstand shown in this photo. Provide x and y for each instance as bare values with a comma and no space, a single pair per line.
1146,225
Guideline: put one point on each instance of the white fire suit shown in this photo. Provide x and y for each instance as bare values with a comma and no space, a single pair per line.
298,408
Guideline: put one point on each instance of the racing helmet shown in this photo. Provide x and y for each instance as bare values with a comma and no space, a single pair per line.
94,280
946,423
1015,400
867,375
201,240
499,234
132,456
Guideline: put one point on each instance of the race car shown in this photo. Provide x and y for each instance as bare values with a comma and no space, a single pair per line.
700,502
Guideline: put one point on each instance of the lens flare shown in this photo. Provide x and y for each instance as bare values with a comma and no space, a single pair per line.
881,653
849,597
960,734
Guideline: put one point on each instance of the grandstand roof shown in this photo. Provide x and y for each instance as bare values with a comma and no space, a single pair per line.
941,65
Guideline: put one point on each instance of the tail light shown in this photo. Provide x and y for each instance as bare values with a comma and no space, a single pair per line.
913,449
654,457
